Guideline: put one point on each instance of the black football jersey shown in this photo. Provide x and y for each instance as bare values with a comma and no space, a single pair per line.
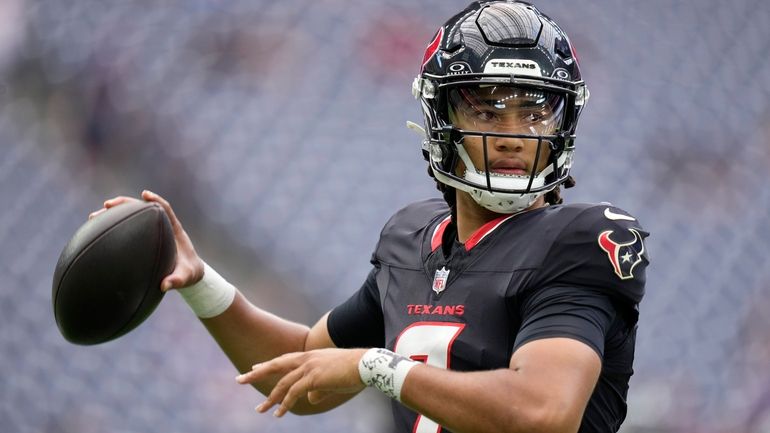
575,271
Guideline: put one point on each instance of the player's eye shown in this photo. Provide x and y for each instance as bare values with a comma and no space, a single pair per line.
534,117
485,115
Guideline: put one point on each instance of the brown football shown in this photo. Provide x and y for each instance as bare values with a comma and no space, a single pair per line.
107,279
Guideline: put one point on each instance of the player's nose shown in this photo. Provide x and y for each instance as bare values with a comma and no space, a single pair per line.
508,144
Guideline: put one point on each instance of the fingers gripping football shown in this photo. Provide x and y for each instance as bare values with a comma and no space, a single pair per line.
188,268
110,204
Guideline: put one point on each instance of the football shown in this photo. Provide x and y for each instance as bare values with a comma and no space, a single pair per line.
107,279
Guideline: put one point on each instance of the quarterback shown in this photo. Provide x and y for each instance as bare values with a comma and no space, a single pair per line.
495,309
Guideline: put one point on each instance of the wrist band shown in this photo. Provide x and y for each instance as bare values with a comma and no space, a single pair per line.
210,296
385,371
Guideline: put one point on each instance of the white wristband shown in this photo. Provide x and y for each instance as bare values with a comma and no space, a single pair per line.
385,371
210,296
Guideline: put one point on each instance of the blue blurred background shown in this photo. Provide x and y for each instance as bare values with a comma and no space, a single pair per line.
277,131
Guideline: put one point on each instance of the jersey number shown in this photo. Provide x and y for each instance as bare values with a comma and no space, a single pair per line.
431,343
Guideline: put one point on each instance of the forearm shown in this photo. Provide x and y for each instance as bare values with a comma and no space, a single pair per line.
504,400
474,402
249,335
545,388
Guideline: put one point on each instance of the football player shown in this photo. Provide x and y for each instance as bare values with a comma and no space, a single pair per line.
496,309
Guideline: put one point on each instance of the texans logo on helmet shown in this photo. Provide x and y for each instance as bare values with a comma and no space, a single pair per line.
432,47
624,256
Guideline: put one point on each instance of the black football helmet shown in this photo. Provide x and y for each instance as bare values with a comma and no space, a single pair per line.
491,57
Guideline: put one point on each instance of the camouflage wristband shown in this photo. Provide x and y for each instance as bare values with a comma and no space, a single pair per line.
385,370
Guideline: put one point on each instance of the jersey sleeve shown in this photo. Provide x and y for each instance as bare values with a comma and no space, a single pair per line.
572,312
602,248
358,322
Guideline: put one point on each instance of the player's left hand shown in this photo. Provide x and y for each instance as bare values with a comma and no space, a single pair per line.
315,374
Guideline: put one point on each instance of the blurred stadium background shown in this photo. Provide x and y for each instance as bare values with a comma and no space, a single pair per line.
277,131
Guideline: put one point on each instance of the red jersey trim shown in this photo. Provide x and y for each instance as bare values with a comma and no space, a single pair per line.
438,233
476,237
484,230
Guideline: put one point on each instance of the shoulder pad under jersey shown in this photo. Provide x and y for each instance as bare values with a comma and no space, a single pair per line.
603,248
404,235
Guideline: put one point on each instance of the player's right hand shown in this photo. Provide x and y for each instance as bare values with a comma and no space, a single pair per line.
188,268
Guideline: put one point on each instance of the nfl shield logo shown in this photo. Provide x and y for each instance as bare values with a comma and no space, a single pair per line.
439,280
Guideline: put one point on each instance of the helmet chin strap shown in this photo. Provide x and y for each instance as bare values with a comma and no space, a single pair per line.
505,203
496,202
506,182
499,202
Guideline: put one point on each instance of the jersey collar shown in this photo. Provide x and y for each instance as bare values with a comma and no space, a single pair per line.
438,233
474,239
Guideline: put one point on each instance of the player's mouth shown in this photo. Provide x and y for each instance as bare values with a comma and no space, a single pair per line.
509,167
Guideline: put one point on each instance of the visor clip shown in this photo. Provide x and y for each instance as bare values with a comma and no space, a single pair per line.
559,143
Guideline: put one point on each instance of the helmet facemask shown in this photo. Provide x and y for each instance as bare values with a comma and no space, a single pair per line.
515,134
506,59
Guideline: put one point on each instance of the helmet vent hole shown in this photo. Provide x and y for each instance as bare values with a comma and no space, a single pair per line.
561,46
